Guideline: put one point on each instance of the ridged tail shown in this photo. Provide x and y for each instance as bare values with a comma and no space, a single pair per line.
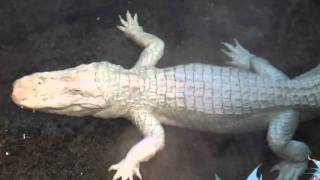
305,91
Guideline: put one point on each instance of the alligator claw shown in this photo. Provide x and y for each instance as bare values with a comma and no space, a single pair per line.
240,57
130,25
290,170
125,170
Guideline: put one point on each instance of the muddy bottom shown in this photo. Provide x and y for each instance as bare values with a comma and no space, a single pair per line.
45,35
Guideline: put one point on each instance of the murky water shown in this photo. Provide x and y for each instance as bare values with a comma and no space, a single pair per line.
45,35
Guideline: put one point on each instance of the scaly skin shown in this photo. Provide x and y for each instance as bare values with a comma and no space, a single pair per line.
198,96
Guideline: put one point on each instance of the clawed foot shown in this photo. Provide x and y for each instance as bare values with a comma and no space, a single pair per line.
125,170
240,57
290,170
131,25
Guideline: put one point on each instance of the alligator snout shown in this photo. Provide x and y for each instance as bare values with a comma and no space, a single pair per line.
19,93
27,90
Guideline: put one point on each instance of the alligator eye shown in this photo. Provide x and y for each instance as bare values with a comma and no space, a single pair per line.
77,92
67,78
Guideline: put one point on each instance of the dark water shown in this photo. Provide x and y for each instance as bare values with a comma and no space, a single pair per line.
43,35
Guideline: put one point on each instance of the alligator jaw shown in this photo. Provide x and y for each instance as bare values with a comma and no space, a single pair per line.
71,91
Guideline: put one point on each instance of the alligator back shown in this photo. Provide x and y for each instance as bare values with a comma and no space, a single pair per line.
216,90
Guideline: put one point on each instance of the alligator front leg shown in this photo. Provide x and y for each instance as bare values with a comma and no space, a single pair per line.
145,149
154,46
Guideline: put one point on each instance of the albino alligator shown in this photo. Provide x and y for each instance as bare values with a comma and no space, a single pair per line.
252,95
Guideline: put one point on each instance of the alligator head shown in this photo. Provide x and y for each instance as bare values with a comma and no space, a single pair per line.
71,91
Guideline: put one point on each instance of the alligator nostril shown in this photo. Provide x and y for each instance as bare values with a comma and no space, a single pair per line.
18,94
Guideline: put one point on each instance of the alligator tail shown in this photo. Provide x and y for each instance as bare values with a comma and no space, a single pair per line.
305,90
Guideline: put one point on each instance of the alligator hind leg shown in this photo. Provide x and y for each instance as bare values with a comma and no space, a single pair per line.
283,125
240,57
243,59
294,153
